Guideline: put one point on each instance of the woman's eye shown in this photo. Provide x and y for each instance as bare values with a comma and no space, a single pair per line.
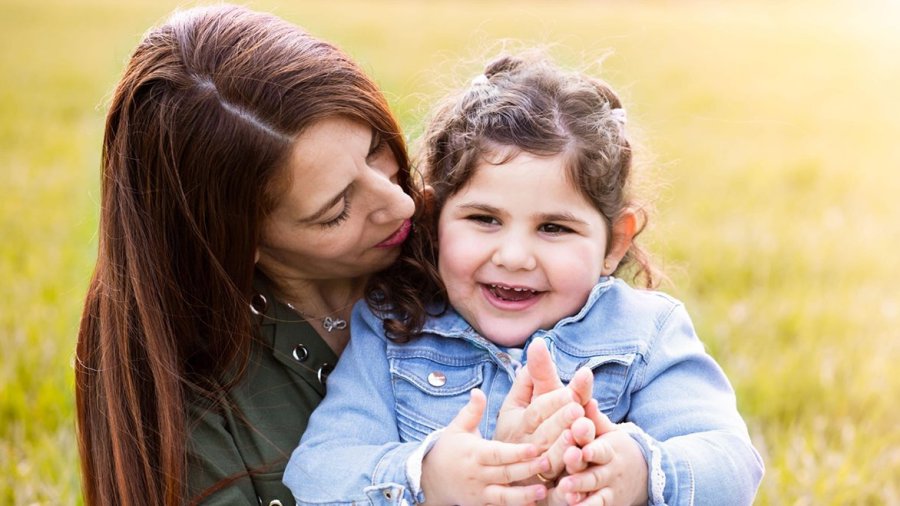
483,219
337,220
377,146
553,228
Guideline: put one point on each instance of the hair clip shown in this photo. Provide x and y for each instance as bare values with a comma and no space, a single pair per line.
619,115
480,79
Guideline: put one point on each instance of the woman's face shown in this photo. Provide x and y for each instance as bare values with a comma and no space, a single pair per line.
344,215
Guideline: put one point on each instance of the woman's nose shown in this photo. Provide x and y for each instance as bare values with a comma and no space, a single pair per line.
391,203
513,254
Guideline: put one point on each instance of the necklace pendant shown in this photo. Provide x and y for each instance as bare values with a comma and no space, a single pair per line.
331,324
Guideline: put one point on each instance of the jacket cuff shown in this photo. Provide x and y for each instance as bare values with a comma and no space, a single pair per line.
656,477
397,476
414,465
670,478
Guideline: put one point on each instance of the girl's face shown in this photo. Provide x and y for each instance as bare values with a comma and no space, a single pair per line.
345,215
519,248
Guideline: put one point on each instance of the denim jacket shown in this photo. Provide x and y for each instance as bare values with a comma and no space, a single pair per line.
651,374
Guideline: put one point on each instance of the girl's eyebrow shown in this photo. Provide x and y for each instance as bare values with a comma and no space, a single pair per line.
325,208
563,216
477,206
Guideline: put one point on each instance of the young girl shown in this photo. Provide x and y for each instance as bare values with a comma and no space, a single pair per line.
529,219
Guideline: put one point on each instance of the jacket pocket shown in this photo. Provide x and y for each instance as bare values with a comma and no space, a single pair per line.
428,394
611,369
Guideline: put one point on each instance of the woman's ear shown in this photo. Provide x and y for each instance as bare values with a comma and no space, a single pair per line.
623,231
256,256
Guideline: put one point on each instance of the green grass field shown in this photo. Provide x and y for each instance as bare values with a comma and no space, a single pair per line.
770,135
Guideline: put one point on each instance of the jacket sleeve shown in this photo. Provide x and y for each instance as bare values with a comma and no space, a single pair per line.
351,451
684,417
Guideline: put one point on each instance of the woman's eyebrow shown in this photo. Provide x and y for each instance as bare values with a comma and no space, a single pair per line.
325,208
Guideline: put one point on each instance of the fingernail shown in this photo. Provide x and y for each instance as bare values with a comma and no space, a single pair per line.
540,492
545,464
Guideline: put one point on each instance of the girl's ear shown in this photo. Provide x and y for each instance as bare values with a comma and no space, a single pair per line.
620,241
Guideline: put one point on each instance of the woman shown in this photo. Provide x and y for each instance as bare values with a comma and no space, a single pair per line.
253,178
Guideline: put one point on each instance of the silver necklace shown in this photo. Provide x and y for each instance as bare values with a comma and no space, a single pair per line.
329,323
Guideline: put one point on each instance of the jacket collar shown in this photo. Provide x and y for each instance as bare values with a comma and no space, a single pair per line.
450,324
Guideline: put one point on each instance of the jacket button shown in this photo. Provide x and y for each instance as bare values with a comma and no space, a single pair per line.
504,357
388,494
437,379
300,353
324,371
274,502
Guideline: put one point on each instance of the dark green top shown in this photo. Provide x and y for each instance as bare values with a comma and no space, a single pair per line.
251,436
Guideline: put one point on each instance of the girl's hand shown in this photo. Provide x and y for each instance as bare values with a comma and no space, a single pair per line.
609,471
463,468
538,410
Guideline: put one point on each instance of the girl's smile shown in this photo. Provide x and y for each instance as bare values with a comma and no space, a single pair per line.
519,247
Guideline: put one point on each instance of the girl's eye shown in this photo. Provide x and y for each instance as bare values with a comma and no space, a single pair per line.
483,219
554,229
345,213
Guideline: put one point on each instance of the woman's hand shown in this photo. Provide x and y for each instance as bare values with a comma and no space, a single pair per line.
540,411
463,468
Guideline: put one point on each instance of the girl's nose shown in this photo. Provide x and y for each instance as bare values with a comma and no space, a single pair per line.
514,255
391,203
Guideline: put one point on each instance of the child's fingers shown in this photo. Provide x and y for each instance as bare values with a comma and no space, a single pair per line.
497,453
574,460
469,416
603,497
598,452
590,480
583,431
504,495
575,497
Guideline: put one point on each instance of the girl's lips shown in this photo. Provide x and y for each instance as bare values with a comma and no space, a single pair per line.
509,305
397,238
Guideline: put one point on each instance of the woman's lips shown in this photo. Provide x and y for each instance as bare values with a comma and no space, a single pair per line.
397,238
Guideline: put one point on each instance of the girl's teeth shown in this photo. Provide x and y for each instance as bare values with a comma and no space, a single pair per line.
514,289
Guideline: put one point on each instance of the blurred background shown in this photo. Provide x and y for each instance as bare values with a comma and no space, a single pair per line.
769,135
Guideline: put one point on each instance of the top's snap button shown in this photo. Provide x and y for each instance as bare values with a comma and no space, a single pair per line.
437,379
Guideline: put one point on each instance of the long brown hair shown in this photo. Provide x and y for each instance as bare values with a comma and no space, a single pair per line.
197,134
521,103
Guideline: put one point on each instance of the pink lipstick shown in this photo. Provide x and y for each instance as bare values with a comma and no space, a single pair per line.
397,238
